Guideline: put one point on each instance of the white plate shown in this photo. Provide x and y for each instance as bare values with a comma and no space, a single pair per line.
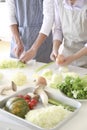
11,126
52,94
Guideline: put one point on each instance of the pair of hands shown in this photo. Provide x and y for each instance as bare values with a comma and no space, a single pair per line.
60,59
28,55
22,55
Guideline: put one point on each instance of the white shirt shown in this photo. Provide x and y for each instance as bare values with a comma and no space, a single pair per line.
48,12
57,34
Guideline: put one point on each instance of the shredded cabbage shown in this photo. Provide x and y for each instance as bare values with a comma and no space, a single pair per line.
47,117
19,78
11,64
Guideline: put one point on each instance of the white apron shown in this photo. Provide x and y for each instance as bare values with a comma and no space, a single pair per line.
74,27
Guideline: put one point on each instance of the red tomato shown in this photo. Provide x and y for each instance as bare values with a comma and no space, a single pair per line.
27,97
31,105
34,101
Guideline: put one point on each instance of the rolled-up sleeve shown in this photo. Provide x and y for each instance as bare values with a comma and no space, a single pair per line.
85,44
48,17
11,12
57,29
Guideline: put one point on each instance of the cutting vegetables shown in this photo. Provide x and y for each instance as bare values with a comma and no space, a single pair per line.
44,82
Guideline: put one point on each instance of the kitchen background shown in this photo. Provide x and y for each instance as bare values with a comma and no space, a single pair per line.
4,28
5,33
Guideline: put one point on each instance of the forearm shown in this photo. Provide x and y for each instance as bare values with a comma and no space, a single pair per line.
39,41
15,33
56,44
48,17
80,53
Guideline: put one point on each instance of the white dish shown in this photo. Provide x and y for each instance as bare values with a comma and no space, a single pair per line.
10,126
52,94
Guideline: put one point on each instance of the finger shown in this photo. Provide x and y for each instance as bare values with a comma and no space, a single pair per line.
52,57
22,56
16,53
22,61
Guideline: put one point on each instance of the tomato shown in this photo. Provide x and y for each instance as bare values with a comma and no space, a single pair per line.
31,101
34,101
31,105
27,97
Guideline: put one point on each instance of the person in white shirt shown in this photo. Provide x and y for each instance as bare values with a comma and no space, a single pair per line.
70,31
31,23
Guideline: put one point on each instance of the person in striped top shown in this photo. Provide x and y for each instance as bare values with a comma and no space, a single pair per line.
31,22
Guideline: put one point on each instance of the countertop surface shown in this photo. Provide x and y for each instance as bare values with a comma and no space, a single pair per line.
77,122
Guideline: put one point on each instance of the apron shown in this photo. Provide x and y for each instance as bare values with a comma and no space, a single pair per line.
29,15
74,27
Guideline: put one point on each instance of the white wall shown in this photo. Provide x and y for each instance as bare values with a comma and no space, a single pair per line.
5,33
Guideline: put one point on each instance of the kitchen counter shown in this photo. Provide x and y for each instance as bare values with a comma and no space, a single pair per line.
77,122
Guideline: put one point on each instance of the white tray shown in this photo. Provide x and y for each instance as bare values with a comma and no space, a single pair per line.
52,94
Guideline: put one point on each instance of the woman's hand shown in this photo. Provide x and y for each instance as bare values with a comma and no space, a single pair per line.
53,55
60,59
63,61
30,54
18,50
